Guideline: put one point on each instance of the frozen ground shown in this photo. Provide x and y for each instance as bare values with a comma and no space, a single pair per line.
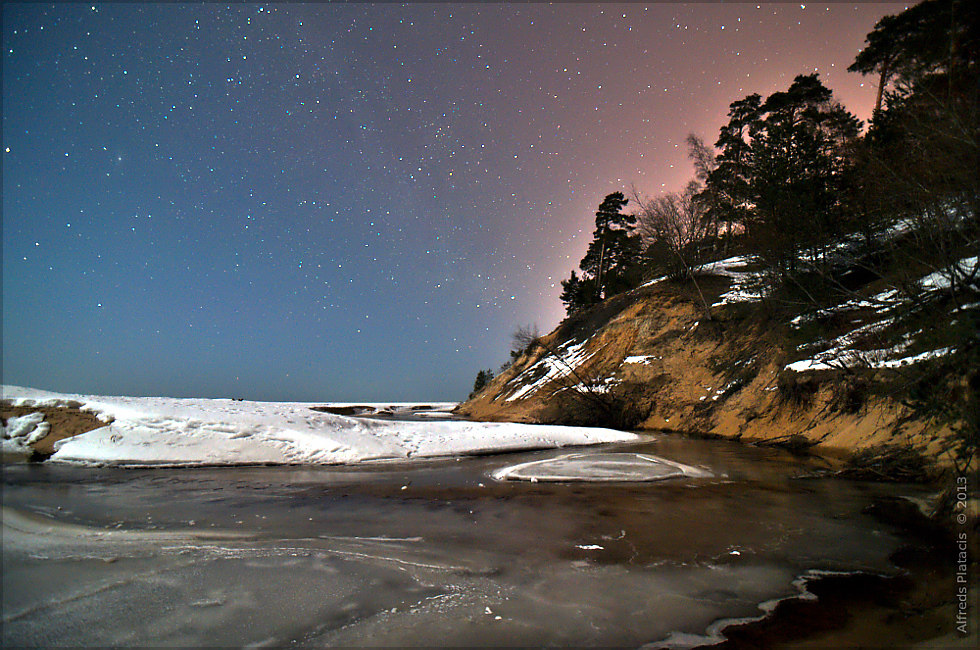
431,553
177,431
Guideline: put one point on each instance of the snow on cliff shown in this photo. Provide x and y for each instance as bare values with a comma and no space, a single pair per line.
843,351
182,431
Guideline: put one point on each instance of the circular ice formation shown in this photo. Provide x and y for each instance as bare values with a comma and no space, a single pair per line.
598,467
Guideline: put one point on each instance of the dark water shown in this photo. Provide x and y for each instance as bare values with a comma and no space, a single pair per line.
427,553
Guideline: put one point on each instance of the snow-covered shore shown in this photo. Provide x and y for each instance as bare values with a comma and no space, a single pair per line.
191,431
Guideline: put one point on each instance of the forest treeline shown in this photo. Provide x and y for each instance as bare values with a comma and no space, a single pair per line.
791,174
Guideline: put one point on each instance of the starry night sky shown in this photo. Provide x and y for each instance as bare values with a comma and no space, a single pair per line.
346,202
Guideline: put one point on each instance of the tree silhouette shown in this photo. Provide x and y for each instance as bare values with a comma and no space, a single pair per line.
612,261
483,378
782,168
614,249
932,36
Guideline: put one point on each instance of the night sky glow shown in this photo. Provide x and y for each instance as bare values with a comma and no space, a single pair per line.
346,202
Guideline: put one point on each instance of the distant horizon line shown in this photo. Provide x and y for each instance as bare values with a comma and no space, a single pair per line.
345,402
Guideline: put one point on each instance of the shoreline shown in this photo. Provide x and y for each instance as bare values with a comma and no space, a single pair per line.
915,609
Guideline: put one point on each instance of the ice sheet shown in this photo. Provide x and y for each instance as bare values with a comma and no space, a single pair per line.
599,467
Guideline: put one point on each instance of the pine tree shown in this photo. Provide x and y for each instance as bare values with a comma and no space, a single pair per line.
930,37
728,182
797,163
576,294
612,261
612,256
921,155
783,168
483,378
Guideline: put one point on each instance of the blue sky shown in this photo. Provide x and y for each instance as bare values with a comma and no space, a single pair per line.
345,202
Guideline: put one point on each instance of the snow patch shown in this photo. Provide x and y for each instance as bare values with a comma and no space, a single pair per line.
869,358
642,359
178,431
549,368
888,299
840,352
742,288
23,431
915,358
943,280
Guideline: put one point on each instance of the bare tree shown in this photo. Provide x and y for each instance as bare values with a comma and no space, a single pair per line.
525,337
702,156
674,224
674,220
705,162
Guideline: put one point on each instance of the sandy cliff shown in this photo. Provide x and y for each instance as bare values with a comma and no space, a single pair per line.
721,376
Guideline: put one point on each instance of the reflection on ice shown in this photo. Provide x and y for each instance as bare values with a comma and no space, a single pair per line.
598,466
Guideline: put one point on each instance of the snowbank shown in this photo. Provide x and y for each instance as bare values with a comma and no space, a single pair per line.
744,284
177,431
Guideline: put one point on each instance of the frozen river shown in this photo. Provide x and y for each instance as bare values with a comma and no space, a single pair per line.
423,553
